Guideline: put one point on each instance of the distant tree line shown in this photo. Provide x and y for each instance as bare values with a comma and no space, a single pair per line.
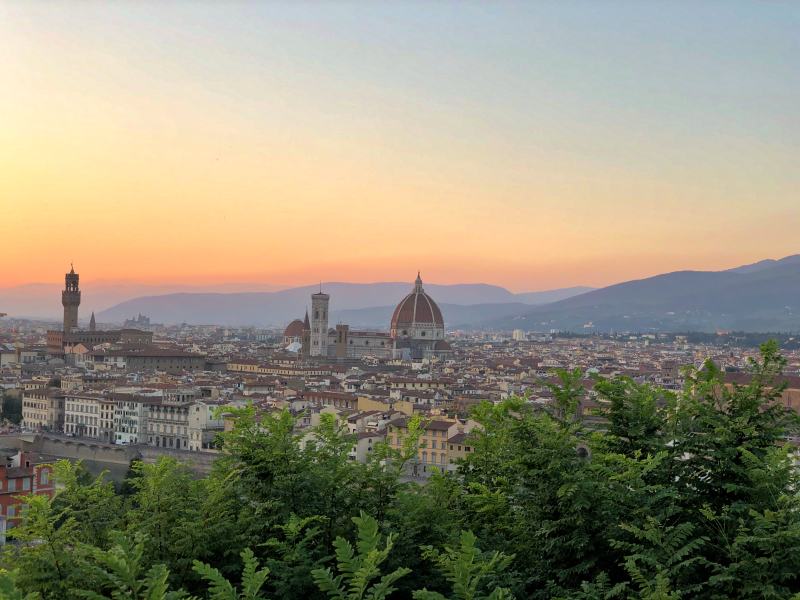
683,495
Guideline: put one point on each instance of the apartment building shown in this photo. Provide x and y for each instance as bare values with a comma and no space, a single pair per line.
82,415
434,448
130,416
21,475
43,409
205,423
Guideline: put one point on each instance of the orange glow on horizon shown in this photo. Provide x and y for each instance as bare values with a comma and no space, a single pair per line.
273,146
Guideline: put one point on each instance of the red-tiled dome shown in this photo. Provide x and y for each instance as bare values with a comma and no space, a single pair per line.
294,329
417,309
442,346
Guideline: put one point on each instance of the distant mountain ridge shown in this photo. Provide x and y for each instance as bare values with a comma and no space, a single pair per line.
280,307
764,296
767,264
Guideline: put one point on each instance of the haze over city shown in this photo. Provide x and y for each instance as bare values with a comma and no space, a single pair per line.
532,146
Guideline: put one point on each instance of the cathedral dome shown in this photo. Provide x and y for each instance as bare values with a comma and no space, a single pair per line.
416,310
294,329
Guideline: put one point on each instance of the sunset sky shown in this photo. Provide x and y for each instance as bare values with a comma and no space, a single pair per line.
532,145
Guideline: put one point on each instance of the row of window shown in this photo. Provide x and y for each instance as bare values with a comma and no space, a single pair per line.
84,420
443,445
82,408
165,442
25,486
159,428
81,429
35,405
11,512
442,458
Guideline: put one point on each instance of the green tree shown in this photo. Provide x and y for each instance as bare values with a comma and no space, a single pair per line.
472,574
9,589
120,573
268,470
360,567
220,588
92,502
331,475
292,554
45,562
423,515
165,511
724,509
381,480
636,415
529,492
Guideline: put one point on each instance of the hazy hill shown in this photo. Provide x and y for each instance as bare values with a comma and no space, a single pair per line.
361,304
767,264
764,296
43,300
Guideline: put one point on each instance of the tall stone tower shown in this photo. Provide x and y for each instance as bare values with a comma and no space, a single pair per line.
319,323
71,299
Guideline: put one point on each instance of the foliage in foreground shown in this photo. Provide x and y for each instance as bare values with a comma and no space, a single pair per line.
683,495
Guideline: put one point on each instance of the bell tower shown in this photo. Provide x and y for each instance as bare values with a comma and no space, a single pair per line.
71,299
319,323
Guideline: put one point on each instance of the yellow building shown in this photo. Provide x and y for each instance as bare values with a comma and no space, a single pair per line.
442,442
43,409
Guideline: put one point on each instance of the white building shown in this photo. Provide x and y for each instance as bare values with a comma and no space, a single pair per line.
82,415
130,415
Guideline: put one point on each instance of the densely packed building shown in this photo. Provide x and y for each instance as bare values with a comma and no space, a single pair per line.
175,390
